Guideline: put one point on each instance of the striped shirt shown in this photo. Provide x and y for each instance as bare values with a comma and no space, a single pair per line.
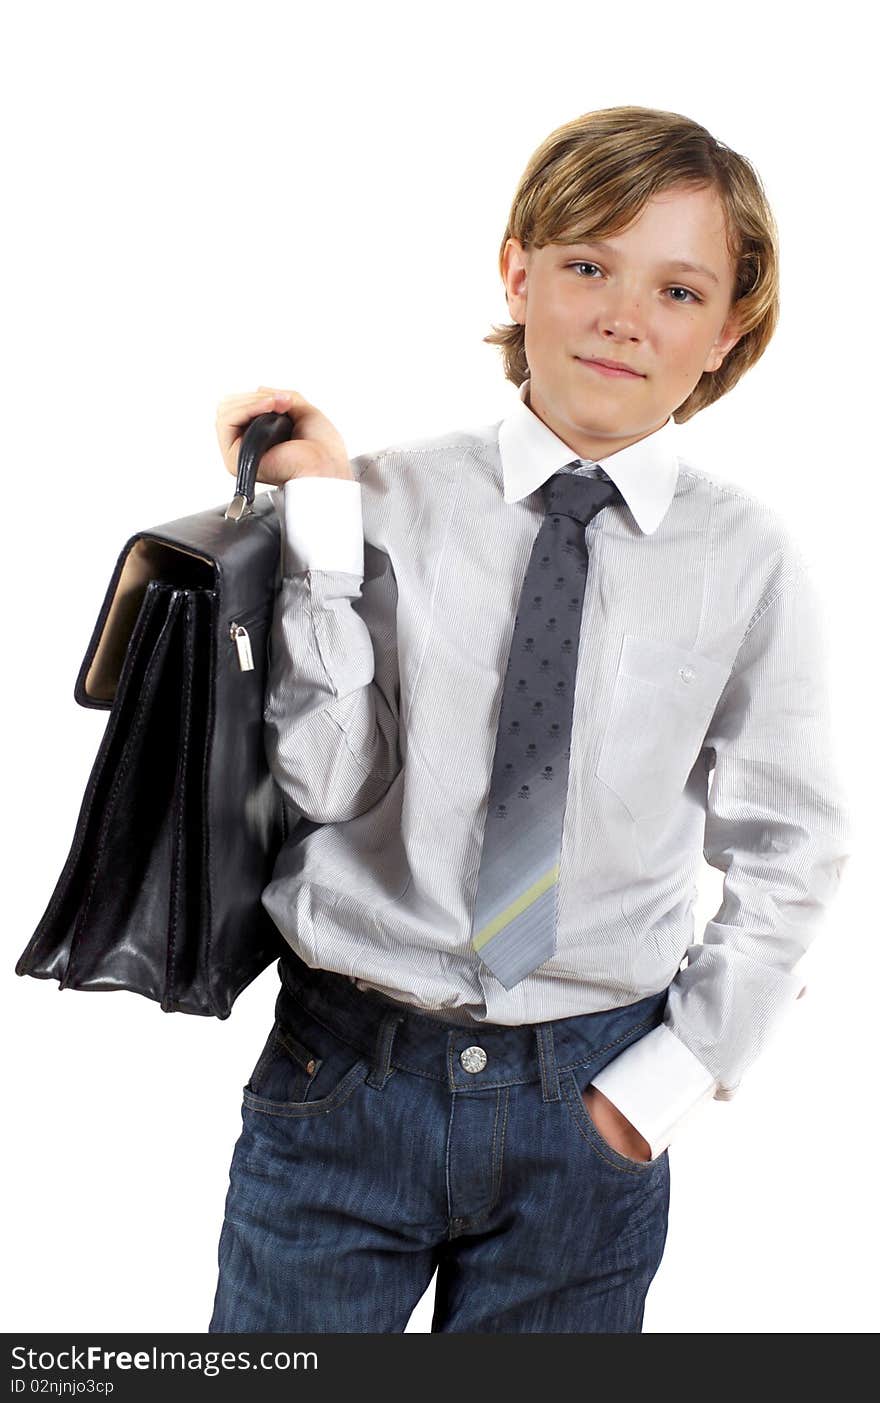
700,729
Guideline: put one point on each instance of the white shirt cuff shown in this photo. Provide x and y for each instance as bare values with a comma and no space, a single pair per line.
655,1083
322,524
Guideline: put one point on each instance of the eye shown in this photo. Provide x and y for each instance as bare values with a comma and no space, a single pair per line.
582,264
689,293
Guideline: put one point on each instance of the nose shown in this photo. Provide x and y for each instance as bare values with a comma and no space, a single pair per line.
620,315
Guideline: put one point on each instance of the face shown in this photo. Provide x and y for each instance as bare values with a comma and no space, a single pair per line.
624,300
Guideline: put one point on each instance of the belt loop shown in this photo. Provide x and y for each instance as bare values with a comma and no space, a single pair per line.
381,1068
547,1062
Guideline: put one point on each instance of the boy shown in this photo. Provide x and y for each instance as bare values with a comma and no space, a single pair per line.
503,664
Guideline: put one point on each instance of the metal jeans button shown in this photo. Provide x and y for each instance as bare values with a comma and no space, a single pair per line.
473,1059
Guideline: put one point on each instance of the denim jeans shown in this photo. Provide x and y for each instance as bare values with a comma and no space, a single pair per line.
380,1144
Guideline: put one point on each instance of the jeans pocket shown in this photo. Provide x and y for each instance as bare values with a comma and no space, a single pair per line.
304,1068
572,1090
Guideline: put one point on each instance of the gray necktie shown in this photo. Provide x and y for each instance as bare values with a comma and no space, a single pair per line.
514,923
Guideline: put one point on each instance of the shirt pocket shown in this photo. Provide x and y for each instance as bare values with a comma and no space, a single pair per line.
660,709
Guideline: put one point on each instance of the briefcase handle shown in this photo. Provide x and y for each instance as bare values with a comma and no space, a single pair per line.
260,435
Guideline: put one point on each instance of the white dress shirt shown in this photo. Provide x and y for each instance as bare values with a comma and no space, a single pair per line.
700,653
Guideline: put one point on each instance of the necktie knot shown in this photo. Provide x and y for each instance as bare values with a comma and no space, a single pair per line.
578,496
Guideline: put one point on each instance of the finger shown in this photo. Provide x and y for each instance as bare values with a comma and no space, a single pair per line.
232,404
232,421
289,401
275,390
238,411
235,412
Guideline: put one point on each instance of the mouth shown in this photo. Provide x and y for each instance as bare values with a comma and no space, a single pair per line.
613,368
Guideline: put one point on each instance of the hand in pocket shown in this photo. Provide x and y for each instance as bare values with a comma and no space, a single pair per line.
614,1127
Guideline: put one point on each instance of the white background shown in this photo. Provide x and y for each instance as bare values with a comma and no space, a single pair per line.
202,199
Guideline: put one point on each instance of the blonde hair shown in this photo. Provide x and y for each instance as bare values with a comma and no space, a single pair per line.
593,176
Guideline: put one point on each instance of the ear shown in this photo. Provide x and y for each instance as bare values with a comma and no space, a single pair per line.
730,333
514,269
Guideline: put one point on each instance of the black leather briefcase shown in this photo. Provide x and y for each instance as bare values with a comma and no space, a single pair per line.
181,820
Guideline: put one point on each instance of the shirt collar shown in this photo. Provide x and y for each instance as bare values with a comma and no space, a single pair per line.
646,472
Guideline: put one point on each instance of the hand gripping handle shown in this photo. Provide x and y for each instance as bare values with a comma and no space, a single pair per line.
260,435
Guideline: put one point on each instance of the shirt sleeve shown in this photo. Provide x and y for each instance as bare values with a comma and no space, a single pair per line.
777,826
332,695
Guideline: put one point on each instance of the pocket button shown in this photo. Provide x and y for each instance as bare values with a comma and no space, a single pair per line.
686,673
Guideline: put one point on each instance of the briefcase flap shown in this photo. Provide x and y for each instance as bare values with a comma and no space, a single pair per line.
239,560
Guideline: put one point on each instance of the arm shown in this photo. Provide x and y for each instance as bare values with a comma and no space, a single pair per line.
332,695
777,827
